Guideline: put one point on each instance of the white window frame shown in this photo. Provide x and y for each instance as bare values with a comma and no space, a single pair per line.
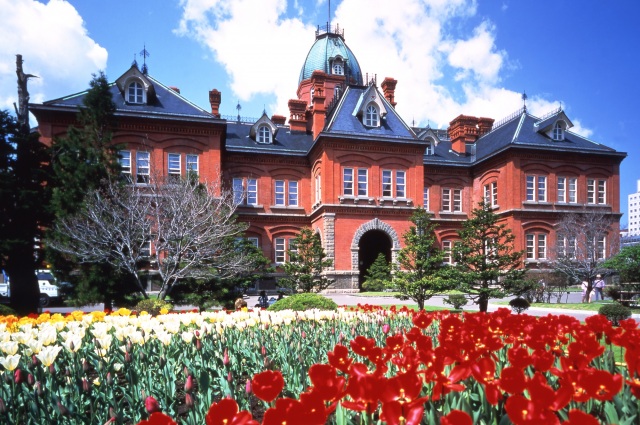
337,67
536,246
536,188
491,194
174,164
596,191
293,193
280,250
245,191
318,188
371,115
387,183
401,184
566,247
447,249
600,247
135,93
567,190
347,181
280,193
254,241
425,198
124,159
192,163
143,167
451,200
252,192
558,131
429,149
363,182
264,134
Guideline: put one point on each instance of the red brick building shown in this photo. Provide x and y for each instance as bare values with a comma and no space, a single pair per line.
348,166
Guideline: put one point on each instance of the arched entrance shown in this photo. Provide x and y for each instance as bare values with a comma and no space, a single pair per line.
371,244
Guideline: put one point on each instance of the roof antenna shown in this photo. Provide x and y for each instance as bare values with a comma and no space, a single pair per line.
524,101
238,107
135,62
145,54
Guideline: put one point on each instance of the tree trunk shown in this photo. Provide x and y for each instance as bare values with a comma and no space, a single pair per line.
25,291
483,303
420,304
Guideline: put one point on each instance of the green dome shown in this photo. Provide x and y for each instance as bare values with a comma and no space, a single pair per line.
329,50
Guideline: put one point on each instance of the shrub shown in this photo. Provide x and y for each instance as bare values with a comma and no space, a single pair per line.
302,302
615,312
456,300
152,306
613,291
519,305
5,310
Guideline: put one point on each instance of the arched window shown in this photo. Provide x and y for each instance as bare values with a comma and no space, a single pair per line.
135,93
371,117
558,131
429,149
338,67
264,134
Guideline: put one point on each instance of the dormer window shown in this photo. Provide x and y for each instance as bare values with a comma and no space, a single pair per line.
264,134
558,131
371,116
338,67
135,93
429,148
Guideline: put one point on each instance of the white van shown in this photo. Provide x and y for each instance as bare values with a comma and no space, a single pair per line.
49,291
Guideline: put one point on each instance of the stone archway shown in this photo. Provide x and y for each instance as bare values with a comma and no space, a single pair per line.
372,231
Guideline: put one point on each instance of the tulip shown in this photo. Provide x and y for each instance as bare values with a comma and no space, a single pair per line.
263,350
85,366
10,362
188,401
247,387
152,405
18,377
31,380
229,377
63,409
109,378
188,385
39,390
86,386
198,345
225,357
386,328
3,407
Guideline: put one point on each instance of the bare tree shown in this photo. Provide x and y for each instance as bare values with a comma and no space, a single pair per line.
584,241
178,228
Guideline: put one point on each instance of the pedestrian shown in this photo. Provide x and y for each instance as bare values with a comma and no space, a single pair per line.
263,301
240,303
585,287
598,286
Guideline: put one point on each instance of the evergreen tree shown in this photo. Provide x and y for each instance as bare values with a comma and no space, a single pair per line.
23,198
626,263
307,261
487,264
420,272
82,161
378,277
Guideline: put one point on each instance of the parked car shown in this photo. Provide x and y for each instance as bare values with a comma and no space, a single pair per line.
49,290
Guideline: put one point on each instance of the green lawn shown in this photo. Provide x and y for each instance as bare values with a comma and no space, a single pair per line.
594,306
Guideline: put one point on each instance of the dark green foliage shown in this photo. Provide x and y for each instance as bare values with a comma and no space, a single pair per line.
98,283
378,277
615,312
420,272
302,302
627,264
487,264
306,264
613,292
24,196
519,305
5,310
457,301
152,306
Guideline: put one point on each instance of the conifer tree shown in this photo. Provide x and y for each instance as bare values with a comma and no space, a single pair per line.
307,261
487,264
378,277
420,272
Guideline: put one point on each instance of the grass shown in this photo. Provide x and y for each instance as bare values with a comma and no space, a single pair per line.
396,294
594,306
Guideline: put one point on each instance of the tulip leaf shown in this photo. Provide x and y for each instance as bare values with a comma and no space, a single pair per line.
611,413
204,381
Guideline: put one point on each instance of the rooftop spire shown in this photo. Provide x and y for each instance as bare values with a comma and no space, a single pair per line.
145,54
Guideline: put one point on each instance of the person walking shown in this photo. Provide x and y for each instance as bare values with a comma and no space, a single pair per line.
585,287
598,286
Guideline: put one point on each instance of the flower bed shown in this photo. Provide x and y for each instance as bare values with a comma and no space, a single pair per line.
359,366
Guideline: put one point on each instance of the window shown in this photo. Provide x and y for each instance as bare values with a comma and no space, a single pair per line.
371,116
143,169
145,249
600,247
536,188
447,248
254,241
347,181
451,200
135,93
245,191
558,131
425,198
567,190
192,164
318,188
429,149
566,246
536,246
281,194
174,164
596,191
264,134
491,194
280,249
387,183
338,67
124,158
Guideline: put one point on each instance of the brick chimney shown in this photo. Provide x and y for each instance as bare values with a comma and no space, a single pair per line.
319,111
462,130
175,89
279,119
389,90
484,125
215,97
297,119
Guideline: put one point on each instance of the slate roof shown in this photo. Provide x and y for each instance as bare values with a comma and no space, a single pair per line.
166,104
342,121
285,142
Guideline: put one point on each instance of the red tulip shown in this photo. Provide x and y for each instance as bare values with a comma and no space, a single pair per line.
188,385
158,418
226,412
267,385
456,417
152,405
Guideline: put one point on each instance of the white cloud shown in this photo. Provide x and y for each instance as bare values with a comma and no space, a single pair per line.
54,45
442,71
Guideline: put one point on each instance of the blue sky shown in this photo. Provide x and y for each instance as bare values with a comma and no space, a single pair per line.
450,57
